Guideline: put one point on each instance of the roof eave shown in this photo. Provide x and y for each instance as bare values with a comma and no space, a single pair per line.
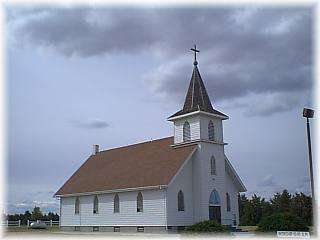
182,166
197,112
162,186
242,187
196,141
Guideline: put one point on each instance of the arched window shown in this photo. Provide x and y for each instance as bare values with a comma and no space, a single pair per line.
77,206
211,131
95,204
139,202
213,166
228,202
186,131
180,201
214,198
116,204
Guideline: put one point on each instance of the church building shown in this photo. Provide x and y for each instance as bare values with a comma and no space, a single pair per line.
160,185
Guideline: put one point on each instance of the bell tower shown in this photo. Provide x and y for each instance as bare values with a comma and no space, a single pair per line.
198,123
198,120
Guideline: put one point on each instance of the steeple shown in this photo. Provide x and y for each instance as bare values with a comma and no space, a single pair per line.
197,98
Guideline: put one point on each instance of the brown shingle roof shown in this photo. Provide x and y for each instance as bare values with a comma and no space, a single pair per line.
197,97
144,164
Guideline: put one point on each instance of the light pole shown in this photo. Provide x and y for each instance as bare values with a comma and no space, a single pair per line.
308,113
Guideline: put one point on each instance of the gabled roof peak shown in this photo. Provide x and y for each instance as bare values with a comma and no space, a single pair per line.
142,165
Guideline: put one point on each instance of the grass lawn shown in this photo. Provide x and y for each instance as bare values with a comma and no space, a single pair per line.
254,228
250,229
24,228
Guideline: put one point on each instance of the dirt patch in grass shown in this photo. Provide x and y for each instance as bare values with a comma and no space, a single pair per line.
248,228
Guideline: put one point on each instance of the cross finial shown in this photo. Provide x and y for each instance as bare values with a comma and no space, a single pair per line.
195,50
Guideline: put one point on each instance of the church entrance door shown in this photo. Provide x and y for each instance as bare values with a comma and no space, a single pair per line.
215,213
214,206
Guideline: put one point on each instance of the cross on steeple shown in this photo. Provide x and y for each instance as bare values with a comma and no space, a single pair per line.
195,50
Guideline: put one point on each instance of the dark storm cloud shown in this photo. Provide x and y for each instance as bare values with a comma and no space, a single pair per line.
87,32
90,124
243,50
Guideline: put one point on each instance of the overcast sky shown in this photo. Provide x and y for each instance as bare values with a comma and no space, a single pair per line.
111,76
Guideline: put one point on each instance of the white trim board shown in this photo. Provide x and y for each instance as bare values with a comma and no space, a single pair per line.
160,187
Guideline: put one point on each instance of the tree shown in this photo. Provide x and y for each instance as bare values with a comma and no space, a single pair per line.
256,203
266,208
246,211
36,214
301,205
281,202
282,222
252,211
25,217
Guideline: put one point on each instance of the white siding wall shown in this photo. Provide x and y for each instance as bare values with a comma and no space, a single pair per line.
183,182
196,178
204,182
232,190
194,122
196,184
154,210
218,130
67,212
198,128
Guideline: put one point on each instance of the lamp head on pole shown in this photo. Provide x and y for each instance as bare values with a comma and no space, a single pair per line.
308,113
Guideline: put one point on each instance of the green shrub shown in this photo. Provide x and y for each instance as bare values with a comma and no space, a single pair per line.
206,226
282,222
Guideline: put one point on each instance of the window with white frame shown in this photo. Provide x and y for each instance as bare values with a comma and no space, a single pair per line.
214,198
211,131
186,131
139,202
95,204
180,201
228,202
213,166
77,206
116,204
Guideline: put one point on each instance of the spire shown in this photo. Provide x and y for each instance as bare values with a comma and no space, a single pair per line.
197,98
